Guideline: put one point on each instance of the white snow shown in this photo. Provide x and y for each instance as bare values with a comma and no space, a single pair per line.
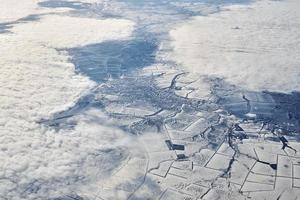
254,46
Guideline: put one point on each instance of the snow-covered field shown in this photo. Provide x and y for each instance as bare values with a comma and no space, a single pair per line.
207,109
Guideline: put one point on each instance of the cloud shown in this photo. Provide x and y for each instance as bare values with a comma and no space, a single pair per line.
255,46
37,80
40,163
67,32
12,10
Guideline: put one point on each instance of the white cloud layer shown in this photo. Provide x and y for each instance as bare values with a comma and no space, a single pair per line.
11,10
255,46
37,80
68,32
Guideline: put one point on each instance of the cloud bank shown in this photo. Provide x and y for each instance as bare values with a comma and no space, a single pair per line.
11,10
36,80
255,46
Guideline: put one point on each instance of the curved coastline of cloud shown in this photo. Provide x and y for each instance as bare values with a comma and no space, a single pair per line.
255,46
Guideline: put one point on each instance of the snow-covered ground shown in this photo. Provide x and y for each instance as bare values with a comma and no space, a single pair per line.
188,121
